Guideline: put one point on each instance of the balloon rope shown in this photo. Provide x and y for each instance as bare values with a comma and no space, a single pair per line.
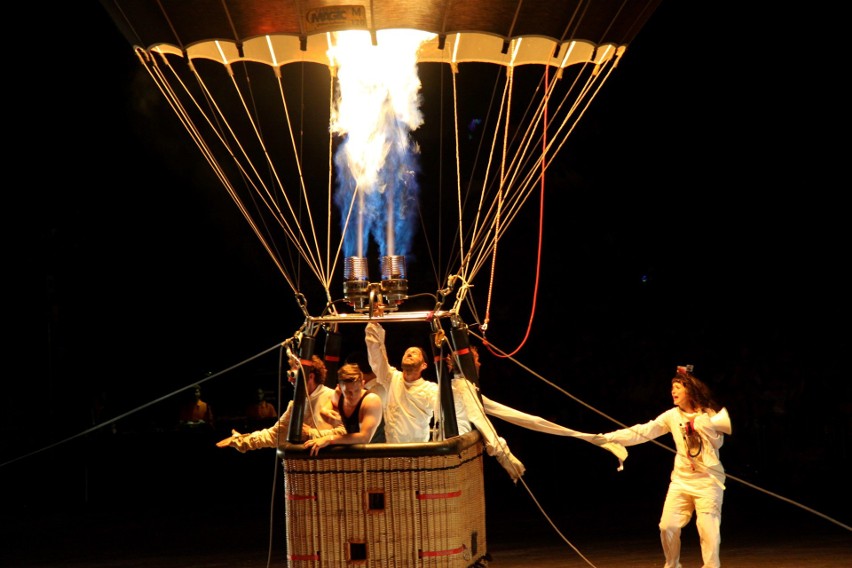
500,189
540,216
167,88
464,260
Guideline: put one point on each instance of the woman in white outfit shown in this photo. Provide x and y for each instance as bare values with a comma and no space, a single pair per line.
697,424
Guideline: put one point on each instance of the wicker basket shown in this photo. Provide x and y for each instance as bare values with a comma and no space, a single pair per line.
385,505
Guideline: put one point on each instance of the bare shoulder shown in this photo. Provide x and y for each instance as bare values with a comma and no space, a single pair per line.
372,399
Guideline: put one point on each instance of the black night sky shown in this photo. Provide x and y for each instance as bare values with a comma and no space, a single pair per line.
703,222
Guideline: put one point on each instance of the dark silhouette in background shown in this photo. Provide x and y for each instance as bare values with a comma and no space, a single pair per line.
194,412
261,411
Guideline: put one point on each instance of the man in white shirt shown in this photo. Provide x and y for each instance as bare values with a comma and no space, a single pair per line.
313,424
410,399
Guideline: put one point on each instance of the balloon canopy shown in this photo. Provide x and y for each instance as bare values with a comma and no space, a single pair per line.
260,87
505,32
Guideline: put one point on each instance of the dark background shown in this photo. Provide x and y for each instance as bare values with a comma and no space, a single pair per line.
713,233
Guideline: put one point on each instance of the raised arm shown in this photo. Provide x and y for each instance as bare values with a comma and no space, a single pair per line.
374,337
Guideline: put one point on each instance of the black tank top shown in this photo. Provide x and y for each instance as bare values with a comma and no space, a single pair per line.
353,424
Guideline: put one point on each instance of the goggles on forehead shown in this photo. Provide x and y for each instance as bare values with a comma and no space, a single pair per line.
684,369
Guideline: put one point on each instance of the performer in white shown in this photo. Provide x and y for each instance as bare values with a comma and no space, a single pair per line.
314,424
472,407
697,424
410,399
470,413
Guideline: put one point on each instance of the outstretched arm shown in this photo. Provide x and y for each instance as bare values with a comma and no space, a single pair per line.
495,445
539,424
267,438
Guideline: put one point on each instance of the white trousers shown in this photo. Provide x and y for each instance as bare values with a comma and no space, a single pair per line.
704,496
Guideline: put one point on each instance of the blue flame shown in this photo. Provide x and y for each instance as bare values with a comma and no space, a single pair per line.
387,212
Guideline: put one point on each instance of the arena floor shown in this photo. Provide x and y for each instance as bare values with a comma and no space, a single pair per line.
237,539
150,511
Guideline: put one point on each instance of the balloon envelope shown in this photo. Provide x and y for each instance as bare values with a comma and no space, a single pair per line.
555,32
237,73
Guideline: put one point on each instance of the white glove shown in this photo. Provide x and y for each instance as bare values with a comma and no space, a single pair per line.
605,441
512,465
236,440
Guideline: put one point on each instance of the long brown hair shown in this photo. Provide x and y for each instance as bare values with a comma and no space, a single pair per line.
698,392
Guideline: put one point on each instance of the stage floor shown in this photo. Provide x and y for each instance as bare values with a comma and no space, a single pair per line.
241,539
151,510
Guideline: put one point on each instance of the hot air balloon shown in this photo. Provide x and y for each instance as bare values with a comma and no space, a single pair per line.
488,94
253,83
